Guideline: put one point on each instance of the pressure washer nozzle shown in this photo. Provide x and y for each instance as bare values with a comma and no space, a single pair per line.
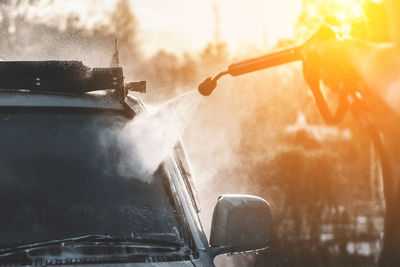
207,86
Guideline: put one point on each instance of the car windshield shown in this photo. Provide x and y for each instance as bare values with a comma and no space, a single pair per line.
58,181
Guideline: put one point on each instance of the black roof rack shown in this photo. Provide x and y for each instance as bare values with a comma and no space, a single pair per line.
71,77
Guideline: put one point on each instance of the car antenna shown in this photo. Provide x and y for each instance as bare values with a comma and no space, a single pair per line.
115,57
131,86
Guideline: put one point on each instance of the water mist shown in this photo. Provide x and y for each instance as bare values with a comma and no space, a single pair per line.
148,139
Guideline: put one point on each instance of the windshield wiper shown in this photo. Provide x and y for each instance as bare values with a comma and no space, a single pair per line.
107,248
107,242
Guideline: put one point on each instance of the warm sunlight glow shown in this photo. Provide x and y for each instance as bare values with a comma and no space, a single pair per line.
342,15
357,11
349,10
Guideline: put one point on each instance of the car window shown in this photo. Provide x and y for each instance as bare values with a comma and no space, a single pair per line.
57,181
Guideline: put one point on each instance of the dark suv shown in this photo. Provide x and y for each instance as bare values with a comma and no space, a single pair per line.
62,199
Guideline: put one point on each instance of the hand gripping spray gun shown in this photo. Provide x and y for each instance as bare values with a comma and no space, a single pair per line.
350,98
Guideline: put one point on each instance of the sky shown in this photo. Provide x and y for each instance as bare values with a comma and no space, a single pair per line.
182,25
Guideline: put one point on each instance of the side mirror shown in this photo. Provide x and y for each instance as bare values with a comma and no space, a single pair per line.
240,223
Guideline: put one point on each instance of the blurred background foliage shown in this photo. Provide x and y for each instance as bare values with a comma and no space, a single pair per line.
259,134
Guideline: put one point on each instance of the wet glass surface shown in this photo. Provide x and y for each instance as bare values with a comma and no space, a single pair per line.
57,180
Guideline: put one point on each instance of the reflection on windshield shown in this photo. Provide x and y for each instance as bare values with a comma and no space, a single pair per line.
56,182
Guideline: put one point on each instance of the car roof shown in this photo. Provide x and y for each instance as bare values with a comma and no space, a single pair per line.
66,85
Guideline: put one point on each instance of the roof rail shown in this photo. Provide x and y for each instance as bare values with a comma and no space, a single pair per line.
71,77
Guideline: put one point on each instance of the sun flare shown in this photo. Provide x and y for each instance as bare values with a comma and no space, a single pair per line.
349,18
